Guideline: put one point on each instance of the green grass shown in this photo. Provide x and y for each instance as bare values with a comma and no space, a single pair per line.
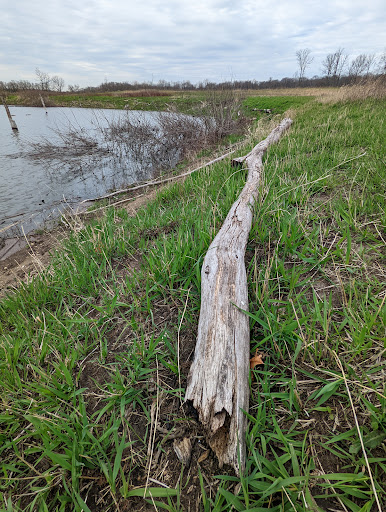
278,104
190,102
95,352
187,102
154,103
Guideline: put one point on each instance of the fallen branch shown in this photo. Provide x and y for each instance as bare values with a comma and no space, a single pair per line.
158,182
218,378
89,212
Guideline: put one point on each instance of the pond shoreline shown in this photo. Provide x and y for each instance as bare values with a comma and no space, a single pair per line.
22,258
63,158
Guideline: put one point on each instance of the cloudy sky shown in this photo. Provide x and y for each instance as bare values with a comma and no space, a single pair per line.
89,41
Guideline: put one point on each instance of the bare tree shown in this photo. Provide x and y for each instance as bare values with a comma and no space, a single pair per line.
57,83
304,59
334,64
74,88
43,79
361,65
327,65
371,63
382,63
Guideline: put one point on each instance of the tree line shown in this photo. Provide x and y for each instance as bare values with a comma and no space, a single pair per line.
337,70
45,82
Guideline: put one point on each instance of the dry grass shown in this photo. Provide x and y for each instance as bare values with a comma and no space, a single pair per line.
296,91
366,88
32,98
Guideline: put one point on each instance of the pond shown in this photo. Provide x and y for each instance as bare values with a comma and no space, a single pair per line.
61,156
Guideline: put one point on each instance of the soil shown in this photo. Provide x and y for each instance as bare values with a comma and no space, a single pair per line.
22,259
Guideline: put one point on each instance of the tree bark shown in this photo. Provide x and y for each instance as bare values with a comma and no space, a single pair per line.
218,378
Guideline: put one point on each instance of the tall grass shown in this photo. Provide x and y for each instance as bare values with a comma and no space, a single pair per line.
95,352
362,90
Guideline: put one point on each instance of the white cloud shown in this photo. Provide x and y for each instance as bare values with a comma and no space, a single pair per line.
180,39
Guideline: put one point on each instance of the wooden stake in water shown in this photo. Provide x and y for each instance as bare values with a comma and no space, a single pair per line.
41,99
13,123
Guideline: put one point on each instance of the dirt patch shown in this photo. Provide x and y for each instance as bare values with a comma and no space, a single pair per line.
26,258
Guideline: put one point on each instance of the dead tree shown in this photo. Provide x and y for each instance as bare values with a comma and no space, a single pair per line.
218,378
304,60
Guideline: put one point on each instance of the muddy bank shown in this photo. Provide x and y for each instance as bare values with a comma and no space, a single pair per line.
23,259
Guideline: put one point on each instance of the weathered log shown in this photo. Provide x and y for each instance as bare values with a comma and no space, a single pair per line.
218,378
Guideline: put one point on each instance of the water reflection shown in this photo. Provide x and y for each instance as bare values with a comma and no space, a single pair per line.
67,155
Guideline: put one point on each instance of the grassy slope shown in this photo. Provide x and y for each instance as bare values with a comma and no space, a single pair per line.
89,366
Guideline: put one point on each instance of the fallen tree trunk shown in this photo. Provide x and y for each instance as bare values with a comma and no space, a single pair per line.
218,377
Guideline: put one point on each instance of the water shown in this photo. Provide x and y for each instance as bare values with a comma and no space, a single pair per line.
34,188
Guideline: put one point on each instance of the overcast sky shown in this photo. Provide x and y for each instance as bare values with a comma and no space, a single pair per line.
89,41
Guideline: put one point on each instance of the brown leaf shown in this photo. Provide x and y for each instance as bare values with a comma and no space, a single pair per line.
203,457
256,360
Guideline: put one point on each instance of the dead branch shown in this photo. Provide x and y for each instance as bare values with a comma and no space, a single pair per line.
158,182
218,378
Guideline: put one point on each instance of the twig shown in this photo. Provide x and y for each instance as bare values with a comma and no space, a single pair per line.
159,483
178,346
346,161
88,212
9,227
376,227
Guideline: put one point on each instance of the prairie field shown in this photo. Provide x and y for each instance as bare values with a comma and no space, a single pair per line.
96,349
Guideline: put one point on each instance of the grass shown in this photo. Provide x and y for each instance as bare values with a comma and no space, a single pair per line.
191,102
186,102
109,101
95,352
277,104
